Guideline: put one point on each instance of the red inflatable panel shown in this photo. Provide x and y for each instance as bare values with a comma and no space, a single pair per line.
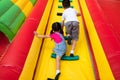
111,11
108,38
4,42
12,63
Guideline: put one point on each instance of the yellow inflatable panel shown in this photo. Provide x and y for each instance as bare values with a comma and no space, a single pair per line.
21,4
33,55
13,1
103,66
81,69
27,8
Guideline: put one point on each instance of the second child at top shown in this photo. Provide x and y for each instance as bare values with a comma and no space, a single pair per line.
69,19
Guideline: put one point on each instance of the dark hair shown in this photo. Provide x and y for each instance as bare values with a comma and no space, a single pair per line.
56,27
66,3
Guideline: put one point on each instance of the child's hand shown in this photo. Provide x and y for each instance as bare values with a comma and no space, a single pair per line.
35,33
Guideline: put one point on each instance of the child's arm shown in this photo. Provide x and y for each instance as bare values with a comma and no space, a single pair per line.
78,14
41,36
62,24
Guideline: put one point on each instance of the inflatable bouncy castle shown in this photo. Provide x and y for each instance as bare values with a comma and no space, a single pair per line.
23,56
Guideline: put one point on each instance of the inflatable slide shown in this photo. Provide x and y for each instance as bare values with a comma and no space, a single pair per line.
23,56
45,67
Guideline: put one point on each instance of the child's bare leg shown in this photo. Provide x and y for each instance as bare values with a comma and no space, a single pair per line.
73,48
73,45
68,34
57,67
58,63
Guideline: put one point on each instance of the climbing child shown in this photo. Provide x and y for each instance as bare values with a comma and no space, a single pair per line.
72,25
60,45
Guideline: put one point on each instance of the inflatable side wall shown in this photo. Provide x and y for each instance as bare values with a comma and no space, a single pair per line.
13,61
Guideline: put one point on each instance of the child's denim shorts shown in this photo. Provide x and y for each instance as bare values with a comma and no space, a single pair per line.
60,49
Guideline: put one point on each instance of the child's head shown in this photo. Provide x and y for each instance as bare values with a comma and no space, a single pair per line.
56,27
66,3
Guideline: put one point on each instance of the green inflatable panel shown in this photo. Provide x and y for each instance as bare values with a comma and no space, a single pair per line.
5,5
65,37
33,1
53,55
62,7
62,0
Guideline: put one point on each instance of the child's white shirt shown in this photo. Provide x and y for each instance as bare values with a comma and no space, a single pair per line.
69,14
